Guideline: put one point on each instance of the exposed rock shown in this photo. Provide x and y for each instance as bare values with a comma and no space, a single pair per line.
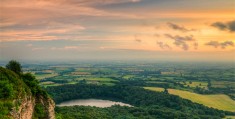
49,106
25,110
50,109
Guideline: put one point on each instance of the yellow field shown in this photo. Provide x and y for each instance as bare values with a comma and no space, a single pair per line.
154,89
219,101
39,77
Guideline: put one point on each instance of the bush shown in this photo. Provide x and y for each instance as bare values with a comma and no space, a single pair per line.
39,111
6,90
14,66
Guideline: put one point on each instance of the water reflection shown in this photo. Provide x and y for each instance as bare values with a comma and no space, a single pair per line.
92,102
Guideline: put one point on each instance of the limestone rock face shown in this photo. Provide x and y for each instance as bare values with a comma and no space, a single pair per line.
49,106
25,110
50,109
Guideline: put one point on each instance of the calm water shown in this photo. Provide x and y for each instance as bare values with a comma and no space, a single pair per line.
92,102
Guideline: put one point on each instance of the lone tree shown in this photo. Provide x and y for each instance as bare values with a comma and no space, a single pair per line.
166,91
14,66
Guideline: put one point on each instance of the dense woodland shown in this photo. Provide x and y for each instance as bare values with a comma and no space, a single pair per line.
147,104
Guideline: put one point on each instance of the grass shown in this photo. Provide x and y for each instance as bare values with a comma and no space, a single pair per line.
108,84
229,117
80,73
154,89
218,101
157,82
128,76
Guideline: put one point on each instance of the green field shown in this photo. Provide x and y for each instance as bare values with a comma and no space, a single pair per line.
128,76
43,76
222,84
195,84
219,101
96,79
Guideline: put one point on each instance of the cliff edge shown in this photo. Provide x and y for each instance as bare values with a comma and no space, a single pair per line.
22,98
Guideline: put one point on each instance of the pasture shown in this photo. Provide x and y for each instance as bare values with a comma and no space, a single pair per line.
218,101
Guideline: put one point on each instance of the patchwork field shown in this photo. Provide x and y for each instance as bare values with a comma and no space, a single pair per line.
195,84
219,101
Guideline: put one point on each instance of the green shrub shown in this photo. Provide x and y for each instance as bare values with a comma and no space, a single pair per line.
6,90
5,107
39,111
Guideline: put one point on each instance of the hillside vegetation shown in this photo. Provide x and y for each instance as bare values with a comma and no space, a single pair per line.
21,97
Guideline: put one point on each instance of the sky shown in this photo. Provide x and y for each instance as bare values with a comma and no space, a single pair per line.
73,30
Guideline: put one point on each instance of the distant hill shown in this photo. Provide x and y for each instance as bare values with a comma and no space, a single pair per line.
22,98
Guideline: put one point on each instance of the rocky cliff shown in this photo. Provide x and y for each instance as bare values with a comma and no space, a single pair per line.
22,98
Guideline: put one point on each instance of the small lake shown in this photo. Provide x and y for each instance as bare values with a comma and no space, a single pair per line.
92,102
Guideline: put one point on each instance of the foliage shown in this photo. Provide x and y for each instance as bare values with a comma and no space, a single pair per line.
118,112
15,87
14,66
39,111
6,90
33,84
5,107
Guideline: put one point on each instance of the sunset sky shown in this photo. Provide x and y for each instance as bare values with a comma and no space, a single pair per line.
70,30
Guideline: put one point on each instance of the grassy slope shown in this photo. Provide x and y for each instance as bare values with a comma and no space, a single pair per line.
219,101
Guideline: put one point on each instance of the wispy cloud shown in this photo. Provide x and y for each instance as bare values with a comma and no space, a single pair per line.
217,44
163,45
195,44
178,27
48,19
38,48
230,26
65,48
137,39
181,41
